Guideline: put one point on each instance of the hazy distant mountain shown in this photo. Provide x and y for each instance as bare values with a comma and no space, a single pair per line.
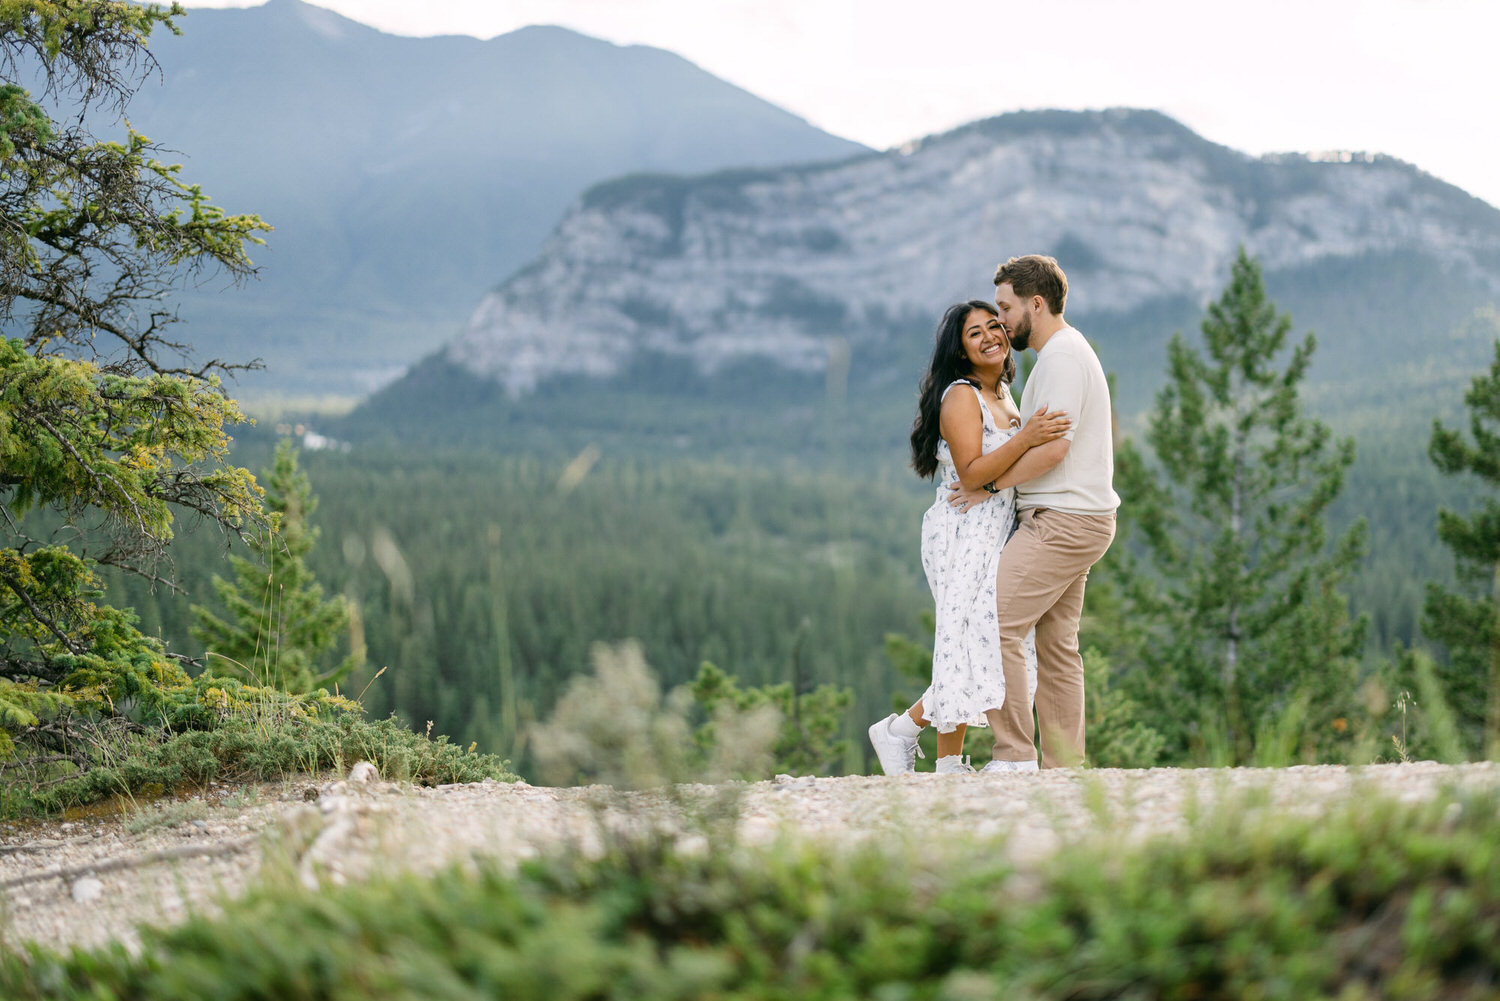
406,175
724,274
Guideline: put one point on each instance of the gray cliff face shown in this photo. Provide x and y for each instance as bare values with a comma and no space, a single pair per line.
782,263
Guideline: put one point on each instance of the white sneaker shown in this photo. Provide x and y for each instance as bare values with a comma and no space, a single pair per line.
1010,766
955,765
898,755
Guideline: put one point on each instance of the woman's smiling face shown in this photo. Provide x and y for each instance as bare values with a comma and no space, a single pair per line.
985,344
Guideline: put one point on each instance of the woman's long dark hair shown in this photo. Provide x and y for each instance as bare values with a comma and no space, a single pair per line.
949,363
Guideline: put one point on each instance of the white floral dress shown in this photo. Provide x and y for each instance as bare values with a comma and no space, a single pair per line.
960,554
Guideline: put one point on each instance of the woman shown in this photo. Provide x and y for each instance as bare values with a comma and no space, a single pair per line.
969,429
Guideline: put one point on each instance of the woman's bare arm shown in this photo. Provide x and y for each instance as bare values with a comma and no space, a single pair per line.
962,427
1028,467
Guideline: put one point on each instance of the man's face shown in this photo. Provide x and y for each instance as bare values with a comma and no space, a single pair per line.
1015,316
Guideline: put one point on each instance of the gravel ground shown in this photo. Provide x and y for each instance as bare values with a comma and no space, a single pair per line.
88,881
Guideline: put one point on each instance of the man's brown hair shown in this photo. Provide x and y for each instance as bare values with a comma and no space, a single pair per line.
1035,274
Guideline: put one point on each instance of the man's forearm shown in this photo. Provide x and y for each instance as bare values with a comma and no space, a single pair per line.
1034,463
991,466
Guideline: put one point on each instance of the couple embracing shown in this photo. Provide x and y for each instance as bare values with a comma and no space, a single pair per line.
1023,510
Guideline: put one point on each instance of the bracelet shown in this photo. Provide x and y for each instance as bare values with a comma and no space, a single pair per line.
991,488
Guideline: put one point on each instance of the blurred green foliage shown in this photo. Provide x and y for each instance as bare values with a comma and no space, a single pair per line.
1372,899
807,740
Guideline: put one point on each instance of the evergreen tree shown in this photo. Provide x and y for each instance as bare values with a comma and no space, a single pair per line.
1247,634
807,739
1467,621
104,420
279,628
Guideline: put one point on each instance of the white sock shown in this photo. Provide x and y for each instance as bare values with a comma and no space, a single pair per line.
904,726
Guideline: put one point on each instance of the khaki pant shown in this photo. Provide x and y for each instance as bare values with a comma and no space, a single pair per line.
1043,569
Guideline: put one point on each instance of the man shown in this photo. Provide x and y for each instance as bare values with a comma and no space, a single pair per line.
1066,503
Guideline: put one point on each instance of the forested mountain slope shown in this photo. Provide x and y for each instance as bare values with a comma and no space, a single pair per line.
782,316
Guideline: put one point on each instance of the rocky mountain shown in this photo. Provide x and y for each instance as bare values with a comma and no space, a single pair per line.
403,175
797,265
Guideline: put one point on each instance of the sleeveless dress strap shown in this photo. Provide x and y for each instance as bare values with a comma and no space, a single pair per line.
956,382
985,414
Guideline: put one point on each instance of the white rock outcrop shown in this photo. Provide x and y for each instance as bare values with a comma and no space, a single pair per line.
779,263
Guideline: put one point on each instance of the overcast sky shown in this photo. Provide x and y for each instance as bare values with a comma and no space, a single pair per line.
1418,79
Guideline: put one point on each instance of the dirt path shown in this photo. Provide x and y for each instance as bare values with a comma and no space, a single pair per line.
86,882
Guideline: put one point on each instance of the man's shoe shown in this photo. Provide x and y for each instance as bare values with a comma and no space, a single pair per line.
1009,766
898,755
955,765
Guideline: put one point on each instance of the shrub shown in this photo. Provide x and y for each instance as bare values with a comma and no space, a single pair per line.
274,738
1377,899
